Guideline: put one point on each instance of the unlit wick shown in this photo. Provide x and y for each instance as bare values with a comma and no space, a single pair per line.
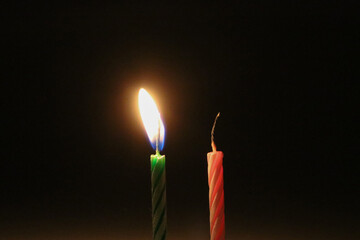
213,146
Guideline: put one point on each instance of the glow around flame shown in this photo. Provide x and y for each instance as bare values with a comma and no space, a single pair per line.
151,118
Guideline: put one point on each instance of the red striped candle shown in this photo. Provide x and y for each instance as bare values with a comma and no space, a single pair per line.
216,190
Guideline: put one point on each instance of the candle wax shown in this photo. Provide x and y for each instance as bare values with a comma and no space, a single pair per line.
216,195
158,189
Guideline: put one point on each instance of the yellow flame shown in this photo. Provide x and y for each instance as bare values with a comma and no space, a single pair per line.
151,118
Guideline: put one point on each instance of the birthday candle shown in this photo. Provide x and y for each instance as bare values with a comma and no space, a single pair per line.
216,190
156,133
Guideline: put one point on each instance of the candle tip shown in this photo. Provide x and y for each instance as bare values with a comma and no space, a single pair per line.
213,146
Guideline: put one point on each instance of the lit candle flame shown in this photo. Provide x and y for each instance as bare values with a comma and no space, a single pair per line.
152,121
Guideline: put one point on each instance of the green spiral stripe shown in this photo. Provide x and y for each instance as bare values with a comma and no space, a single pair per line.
158,189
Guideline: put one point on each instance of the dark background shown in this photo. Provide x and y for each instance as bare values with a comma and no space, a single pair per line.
75,159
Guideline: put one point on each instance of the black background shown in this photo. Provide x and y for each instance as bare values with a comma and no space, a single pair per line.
76,156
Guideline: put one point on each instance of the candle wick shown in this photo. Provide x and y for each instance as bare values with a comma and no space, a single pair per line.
213,146
157,144
157,138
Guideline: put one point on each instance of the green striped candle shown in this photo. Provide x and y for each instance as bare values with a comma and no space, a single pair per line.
156,133
158,190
